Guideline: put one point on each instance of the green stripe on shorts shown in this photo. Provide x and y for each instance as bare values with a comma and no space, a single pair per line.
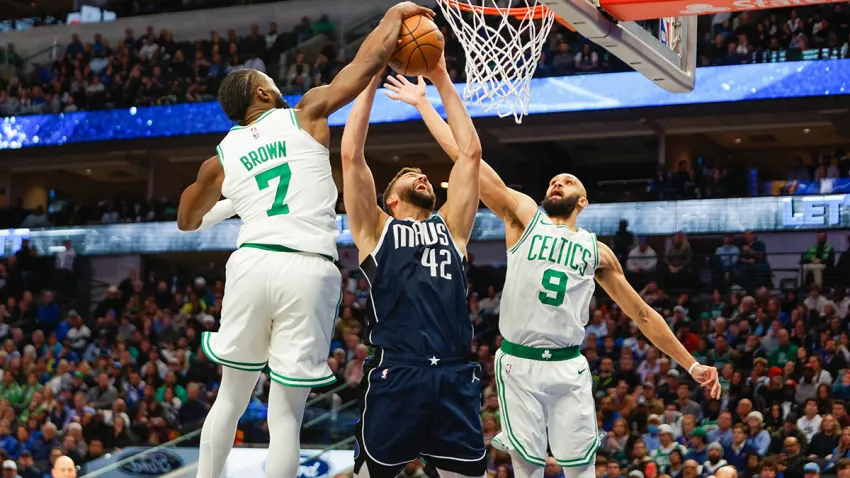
503,406
302,382
244,366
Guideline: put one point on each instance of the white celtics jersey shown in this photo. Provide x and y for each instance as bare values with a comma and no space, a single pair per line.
279,179
549,285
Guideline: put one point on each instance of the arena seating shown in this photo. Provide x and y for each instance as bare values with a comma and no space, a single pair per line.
154,69
130,371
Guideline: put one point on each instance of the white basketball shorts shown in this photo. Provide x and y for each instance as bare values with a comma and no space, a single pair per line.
546,397
279,309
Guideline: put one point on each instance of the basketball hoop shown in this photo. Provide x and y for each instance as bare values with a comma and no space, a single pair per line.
502,47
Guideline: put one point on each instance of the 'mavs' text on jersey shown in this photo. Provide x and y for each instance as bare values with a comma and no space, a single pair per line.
420,233
559,250
273,150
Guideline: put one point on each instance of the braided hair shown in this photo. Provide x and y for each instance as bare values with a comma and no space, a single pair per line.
235,94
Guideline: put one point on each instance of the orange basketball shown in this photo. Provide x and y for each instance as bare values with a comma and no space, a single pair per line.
420,48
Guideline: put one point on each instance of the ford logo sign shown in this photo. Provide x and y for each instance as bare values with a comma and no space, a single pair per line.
316,468
157,463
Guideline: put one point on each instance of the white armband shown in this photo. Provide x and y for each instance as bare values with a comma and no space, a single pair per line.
692,367
221,211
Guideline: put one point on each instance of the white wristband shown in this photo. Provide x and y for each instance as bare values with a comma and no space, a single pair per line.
692,367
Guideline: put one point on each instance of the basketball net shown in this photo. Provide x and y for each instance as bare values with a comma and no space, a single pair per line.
502,47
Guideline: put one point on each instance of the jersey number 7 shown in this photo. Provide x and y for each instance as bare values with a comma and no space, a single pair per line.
284,173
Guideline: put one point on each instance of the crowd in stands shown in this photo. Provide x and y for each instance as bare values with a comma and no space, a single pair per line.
121,209
826,165
153,68
777,35
130,369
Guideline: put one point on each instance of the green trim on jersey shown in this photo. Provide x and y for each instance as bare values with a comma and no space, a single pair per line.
503,405
294,117
268,112
220,155
244,366
279,248
527,231
595,250
538,353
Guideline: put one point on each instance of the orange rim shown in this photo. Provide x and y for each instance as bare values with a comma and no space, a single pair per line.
518,13
537,12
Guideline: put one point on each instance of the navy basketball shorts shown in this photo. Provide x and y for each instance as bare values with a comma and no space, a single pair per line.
420,406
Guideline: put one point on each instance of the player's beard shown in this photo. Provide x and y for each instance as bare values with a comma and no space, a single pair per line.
279,102
562,207
424,199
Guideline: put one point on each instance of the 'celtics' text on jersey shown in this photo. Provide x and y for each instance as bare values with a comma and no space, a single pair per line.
549,285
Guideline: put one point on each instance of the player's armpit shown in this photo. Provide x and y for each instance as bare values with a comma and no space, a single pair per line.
200,196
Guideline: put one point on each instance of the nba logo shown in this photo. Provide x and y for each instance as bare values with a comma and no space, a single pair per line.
508,369
385,373
255,132
666,31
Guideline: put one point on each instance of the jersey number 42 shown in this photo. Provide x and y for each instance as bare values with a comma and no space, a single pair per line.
429,260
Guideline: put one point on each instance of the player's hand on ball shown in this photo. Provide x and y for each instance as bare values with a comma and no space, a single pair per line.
400,89
410,9
707,377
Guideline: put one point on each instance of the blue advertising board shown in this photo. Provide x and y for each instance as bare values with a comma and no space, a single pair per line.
549,95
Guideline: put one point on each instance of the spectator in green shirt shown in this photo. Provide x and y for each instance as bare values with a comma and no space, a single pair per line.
10,390
171,382
786,351
30,388
817,259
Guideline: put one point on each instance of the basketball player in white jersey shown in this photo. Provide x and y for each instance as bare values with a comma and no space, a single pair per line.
545,390
283,289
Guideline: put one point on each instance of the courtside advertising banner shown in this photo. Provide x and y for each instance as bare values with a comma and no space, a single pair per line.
242,462
251,462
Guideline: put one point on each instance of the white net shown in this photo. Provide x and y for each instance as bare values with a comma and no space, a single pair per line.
502,49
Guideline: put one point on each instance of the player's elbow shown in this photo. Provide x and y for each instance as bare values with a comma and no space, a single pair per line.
642,317
185,225
471,153
351,156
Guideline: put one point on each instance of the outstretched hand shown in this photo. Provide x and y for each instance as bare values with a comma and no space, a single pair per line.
707,377
410,9
401,89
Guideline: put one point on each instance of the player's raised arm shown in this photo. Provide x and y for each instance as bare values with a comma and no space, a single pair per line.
462,201
610,276
371,58
200,196
365,218
513,207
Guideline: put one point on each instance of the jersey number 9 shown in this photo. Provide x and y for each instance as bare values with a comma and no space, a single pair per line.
555,285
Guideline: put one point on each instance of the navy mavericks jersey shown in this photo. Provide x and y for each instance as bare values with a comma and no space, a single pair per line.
417,304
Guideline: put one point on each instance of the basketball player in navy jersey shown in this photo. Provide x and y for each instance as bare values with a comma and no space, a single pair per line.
422,396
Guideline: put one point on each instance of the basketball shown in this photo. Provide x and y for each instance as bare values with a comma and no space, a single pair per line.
420,47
